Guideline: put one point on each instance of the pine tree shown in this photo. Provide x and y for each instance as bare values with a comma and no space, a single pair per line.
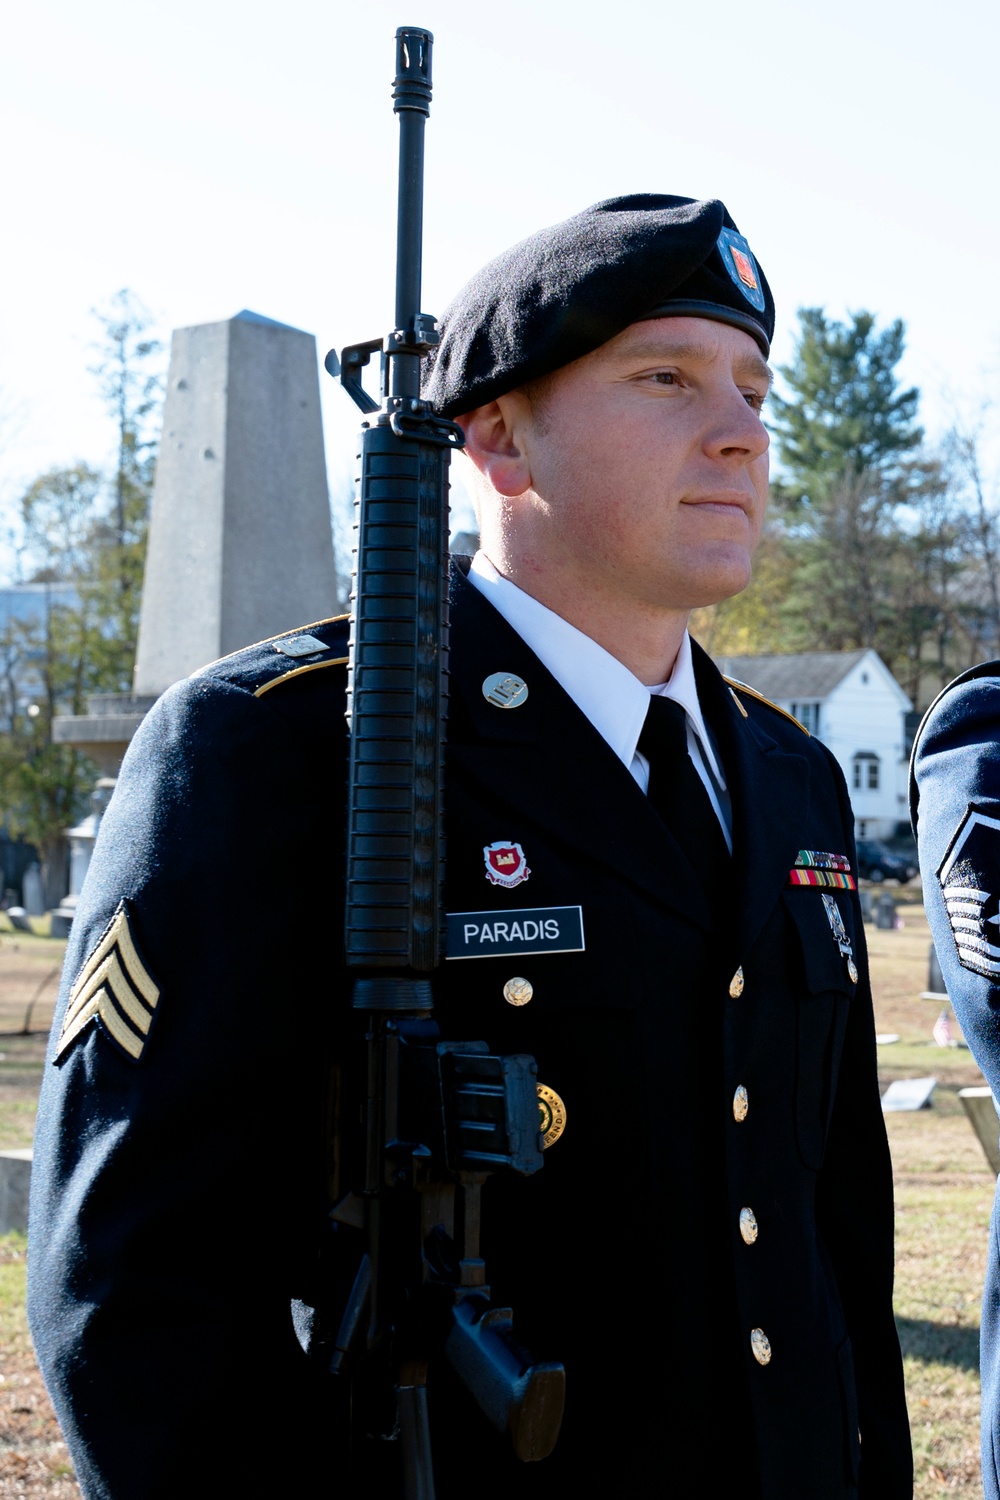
846,415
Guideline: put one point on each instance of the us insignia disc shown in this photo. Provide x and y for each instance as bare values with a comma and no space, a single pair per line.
552,1112
504,690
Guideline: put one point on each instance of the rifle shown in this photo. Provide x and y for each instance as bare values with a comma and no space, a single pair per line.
439,1116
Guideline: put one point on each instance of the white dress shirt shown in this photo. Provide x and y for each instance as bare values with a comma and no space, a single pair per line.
613,699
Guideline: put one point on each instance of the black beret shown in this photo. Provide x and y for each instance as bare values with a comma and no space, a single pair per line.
569,288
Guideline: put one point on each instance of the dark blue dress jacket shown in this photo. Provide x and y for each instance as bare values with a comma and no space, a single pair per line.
955,807
179,1187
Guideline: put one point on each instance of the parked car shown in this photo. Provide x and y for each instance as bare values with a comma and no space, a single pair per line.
877,862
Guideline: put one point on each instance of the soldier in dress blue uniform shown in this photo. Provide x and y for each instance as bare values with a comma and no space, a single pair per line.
955,810
651,877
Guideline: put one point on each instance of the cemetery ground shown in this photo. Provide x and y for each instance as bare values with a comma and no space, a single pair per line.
944,1191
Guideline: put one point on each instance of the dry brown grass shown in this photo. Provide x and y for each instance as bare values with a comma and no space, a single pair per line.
944,1192
34,1461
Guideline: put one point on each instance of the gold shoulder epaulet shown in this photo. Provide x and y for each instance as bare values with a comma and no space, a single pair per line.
307,649
743,687
312,666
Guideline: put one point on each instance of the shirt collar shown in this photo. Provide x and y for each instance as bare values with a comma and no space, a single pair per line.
683,688
612,698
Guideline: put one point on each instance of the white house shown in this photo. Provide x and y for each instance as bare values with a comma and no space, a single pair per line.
851,701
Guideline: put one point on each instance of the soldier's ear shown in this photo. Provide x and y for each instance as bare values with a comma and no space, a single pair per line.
491,442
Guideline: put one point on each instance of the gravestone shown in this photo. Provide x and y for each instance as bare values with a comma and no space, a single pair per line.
34,894
15,1180
885,912
981,1110
908,1094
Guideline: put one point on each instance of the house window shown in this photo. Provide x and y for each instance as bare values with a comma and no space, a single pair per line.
865,771
807,715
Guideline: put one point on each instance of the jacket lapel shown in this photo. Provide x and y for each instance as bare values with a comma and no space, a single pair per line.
770,792
546,761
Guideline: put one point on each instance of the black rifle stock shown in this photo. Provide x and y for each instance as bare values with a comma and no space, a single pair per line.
439,1116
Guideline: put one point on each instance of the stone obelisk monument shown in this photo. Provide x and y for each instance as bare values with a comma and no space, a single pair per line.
239,539
240,545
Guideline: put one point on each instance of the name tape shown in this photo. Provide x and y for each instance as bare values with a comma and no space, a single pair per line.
492,934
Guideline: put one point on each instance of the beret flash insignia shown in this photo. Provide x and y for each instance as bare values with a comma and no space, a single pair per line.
970,884
737,257
115,987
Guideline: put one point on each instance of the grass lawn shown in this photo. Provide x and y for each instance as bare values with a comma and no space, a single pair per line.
944,1191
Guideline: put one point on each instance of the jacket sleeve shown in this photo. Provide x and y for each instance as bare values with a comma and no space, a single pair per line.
855,1213
956,770
177,1175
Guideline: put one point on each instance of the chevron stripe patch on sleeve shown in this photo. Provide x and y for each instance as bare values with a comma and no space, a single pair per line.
115,987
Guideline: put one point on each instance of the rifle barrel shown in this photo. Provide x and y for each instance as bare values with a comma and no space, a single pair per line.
412,102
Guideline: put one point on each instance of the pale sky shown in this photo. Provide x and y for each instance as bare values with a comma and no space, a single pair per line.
216,155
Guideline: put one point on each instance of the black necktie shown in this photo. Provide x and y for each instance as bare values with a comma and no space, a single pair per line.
678,792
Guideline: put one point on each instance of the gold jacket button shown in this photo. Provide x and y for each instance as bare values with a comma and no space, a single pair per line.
518,991
748,1225
551,1116
741,1105
736,984
760,1344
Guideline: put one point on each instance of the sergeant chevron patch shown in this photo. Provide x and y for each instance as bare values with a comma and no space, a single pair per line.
114,986
970,882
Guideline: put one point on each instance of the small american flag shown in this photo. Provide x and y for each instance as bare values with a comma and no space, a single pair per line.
942,1030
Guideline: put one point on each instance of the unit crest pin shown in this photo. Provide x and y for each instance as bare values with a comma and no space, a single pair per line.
505,863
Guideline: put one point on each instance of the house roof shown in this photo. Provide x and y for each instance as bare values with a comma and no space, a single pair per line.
804,674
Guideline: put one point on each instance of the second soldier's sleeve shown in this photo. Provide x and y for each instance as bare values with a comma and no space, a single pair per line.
955,800
956,769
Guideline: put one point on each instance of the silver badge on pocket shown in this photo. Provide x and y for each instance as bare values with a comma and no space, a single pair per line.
840,936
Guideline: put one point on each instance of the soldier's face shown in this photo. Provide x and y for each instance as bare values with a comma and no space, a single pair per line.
648,466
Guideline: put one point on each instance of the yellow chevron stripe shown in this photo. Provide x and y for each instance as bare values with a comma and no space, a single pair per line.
72,1028
137,974
102,1006
109,986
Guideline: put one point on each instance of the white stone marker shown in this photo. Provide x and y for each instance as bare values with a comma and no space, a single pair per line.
15,1179
240,545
